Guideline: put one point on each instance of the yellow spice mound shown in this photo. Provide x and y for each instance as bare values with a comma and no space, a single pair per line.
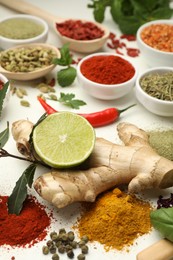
115,220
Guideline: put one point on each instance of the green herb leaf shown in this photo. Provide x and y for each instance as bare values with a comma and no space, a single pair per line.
68,100
66,77
3,92
65,59
19,193
131,14
99,7
4,135
162,220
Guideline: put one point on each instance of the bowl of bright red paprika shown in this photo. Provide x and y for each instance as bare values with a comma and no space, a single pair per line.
106,76
155,42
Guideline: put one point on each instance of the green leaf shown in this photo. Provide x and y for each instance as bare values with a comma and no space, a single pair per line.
19,193
66,77
65,58
68,100
4,135
131,14
3,92
99,7
162,220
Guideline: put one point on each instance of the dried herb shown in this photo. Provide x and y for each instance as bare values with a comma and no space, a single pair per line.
158,85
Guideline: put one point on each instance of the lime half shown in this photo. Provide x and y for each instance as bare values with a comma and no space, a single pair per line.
64,139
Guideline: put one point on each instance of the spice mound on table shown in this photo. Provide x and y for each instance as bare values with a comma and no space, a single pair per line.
79,30
26,229
115,220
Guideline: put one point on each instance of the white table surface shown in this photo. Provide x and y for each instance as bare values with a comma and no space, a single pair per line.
11,169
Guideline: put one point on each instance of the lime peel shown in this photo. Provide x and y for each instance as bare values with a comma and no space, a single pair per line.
64,140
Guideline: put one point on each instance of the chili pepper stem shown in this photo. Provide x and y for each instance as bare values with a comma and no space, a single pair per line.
122,110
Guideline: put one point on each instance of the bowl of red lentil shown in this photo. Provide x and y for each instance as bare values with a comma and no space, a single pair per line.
106,76
155,41
4,80
154,90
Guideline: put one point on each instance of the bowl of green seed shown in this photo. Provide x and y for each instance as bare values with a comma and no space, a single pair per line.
154,90
22,29
28,61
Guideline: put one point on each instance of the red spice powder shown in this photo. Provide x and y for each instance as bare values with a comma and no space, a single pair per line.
25,229
159,36
78,30
107,69
1,84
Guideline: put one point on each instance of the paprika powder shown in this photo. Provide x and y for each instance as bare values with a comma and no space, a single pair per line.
107,69
79,30
25,229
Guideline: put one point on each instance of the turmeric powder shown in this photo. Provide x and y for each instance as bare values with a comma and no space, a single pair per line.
115,220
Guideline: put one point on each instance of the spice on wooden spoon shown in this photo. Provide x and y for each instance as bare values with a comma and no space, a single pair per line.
29,61
84,46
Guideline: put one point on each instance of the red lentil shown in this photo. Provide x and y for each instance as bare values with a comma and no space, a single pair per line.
159,36
78,30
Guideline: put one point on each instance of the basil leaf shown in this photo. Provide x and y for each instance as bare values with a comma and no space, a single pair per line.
162,220
3,92
4,135
19,193
66,76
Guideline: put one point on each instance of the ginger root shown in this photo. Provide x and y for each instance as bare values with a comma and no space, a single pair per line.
135,163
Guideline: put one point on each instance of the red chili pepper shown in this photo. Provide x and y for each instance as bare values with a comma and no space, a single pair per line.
96,119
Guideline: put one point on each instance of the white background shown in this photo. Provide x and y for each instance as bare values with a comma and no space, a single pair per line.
11,169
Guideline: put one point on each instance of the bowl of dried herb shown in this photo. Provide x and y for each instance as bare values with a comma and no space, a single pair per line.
154,90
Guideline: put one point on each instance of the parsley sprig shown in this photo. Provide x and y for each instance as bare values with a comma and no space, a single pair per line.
67,99
65,77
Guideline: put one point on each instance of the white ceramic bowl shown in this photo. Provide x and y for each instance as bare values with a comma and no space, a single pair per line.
152,56
105,91
6,43
154,105
7,97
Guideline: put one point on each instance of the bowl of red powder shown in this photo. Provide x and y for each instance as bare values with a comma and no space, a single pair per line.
106,76
3,81
155,42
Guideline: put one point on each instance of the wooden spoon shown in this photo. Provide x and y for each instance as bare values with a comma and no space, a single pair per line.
161,250
75,45
34,74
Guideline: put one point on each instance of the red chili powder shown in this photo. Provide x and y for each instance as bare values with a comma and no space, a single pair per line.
107,69
25,229
78,30
159,36
1,84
